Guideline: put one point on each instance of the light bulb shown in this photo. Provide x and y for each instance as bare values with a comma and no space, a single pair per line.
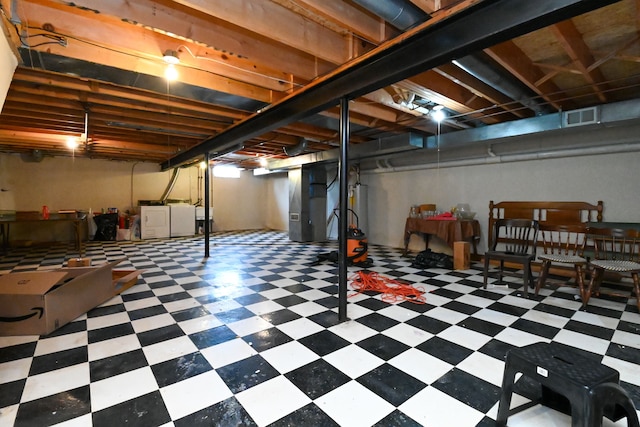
438,113
72,142
170,72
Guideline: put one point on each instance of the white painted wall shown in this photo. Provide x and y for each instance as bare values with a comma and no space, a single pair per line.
262,202
80,183
277,198
585,178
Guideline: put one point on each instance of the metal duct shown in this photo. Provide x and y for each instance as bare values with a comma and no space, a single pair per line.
399,13
297,149
170,185
557,154
477,64
380,147
33,156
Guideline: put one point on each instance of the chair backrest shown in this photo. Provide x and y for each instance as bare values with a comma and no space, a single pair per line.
518,236
546,212
615,243
563,239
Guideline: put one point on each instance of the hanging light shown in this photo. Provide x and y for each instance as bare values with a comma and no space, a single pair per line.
170,73
437,113
72,142
170,57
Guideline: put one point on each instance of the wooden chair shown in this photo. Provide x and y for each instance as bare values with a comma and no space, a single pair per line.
615,250
564,245
517,238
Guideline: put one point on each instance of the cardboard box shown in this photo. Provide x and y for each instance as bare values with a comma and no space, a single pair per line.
79,262
461,255
39,302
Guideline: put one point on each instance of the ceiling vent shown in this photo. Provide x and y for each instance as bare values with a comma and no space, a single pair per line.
584,116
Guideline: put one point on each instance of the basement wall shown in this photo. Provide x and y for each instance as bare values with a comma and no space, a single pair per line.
262,202
80,183
610,178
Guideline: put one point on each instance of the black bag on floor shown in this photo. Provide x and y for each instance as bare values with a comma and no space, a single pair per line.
106,226
429,259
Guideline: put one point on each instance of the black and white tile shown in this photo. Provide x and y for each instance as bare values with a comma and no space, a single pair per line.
250,336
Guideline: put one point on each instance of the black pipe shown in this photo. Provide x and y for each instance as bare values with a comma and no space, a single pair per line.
207,203
343,171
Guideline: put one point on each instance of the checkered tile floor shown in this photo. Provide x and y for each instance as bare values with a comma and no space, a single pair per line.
250,336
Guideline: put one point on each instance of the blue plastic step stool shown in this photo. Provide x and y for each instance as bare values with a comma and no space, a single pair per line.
591,388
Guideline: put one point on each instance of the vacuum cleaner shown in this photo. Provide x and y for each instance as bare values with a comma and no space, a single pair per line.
357,246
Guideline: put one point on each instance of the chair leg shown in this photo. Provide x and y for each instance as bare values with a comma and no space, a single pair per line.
542,277
486,270
501,269
580,279
527,277
636,286
594,283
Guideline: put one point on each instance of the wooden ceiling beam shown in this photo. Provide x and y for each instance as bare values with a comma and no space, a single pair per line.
431,6
281,24
67,86
458,97
231,42
479,88
344,16
573,44
129,47
513,59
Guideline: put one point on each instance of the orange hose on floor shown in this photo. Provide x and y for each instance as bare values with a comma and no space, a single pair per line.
392,290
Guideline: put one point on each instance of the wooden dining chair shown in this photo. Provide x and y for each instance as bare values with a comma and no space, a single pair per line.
614,250
564,245
513,241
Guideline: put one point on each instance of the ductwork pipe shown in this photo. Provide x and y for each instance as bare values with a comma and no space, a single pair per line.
478,68
510,158
296,150
170,185
399,13
403,14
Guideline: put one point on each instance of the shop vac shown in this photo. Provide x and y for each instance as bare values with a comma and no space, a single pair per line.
357,246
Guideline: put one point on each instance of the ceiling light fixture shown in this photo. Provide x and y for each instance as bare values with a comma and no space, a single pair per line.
170,57
170,73
437,113
72,142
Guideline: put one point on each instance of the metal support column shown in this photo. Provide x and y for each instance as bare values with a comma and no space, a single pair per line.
207,203
343,174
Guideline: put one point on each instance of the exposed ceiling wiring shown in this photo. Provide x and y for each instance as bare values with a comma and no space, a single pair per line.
279,80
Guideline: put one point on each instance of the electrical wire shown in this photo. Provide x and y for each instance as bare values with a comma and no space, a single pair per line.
393,291
279,80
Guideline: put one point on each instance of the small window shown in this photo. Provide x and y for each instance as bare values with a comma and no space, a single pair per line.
226,172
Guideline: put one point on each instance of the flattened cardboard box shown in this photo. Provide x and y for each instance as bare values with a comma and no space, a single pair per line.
39,302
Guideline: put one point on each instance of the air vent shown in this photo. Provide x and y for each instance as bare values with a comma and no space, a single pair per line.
584,116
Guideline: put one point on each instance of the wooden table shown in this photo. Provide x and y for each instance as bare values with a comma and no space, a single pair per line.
448,230
54,219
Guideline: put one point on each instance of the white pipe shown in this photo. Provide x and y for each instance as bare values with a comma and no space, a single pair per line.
508,158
